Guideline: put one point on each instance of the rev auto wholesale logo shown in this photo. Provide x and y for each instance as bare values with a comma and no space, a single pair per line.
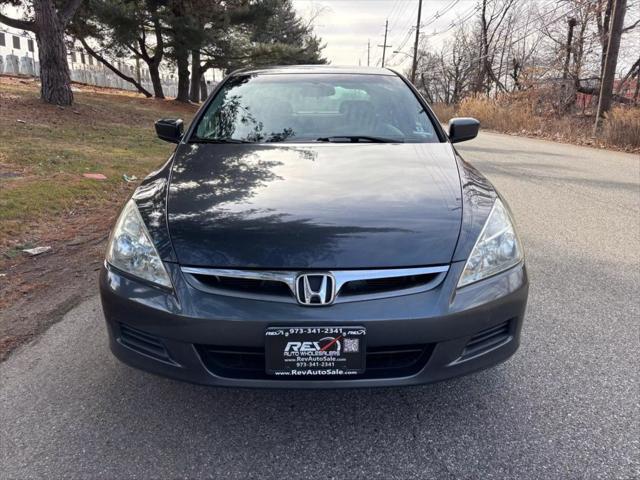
325,347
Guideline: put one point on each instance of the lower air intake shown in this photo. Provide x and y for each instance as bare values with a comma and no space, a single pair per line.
143,343
487,340
246,362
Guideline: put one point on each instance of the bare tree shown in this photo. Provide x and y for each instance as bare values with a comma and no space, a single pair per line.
492,16
550,49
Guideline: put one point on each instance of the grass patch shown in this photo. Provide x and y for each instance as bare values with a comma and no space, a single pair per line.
44,150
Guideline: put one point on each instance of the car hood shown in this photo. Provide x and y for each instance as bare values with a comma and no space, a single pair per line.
325,206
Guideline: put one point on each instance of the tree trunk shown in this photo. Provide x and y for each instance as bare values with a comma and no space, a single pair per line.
154,73
568,47
55,79
203,89
611,62
182,58
196,75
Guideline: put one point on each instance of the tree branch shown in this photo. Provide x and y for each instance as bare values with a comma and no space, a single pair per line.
634,68
135,51
20,24
631,27
106,63
69,11
143,49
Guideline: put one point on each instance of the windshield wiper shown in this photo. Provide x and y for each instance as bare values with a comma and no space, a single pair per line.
217,140
357,138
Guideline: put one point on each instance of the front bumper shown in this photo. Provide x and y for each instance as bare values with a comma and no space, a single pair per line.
182,334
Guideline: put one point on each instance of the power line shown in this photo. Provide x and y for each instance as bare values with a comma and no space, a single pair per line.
536,29
406,26
437,15
395,11
403,14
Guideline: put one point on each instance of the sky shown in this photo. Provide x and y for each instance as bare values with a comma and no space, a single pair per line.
347,25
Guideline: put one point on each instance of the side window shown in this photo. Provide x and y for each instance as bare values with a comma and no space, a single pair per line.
3,42
16,42
30,45
207,126
232,113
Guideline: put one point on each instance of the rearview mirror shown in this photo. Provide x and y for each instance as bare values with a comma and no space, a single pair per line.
318,90
463,129
170,129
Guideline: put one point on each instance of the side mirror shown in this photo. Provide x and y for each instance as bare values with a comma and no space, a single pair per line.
169,129
463,129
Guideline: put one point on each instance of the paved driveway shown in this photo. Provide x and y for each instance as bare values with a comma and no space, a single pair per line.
566,406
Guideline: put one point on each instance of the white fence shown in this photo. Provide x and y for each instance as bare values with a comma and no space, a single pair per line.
97,75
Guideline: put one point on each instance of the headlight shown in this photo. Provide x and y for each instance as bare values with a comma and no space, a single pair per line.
497,248
131,250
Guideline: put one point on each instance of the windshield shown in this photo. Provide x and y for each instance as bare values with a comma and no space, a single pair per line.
315,107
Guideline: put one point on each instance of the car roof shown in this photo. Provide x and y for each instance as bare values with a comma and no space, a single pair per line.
326,69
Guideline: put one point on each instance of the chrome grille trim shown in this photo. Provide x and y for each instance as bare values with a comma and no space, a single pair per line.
288,277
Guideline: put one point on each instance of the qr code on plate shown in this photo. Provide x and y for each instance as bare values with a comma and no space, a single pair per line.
351,345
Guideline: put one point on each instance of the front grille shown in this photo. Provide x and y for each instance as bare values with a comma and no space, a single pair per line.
282,285
249,363
244,285
378,285
143,343
486,340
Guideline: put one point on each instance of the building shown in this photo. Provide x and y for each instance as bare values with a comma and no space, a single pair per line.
17,52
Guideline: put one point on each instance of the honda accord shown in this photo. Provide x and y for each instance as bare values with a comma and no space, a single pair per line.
314,227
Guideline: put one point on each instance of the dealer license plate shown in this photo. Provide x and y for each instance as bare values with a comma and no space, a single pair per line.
315,351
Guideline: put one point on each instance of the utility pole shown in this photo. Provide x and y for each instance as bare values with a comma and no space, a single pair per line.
384,46
368,52
414,67
611,61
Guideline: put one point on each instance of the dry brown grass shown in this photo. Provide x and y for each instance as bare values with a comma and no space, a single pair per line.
444,112
510,116
622,127
524,114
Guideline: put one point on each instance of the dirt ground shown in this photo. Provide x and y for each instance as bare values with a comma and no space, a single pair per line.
36,291
53,205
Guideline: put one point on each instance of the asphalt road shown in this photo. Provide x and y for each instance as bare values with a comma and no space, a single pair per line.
565,407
